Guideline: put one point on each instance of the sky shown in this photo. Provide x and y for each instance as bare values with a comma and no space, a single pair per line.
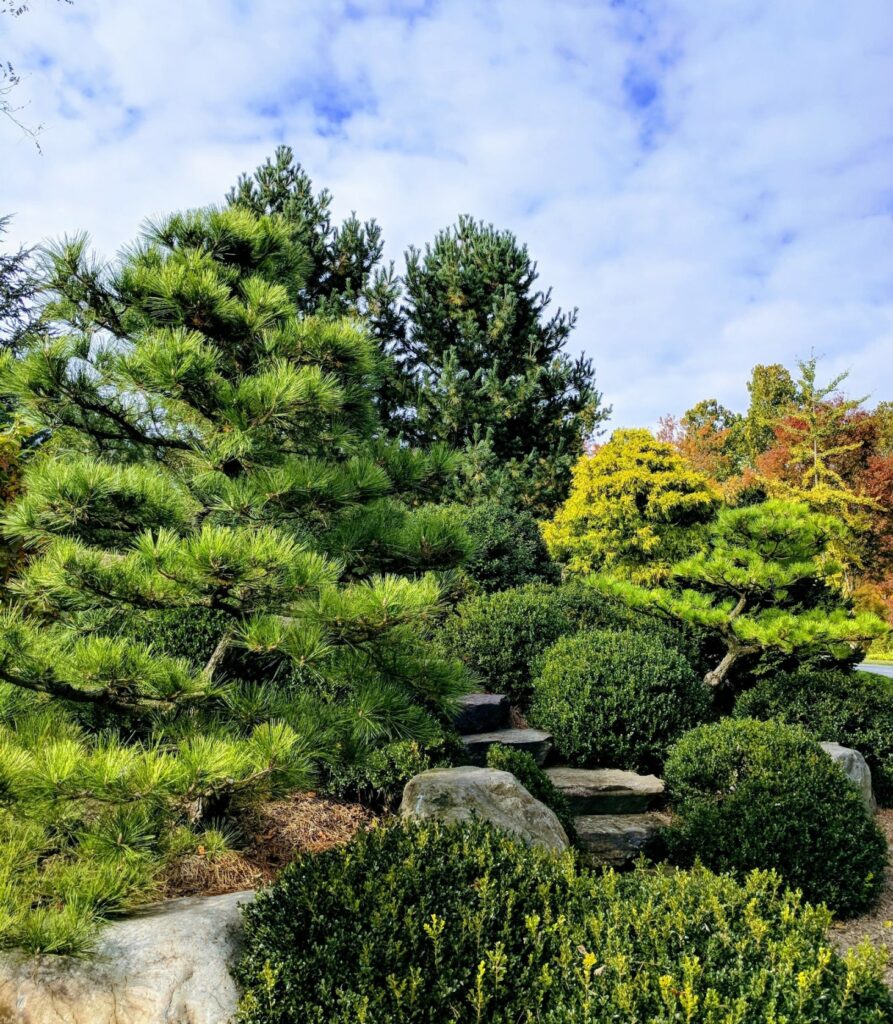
711,184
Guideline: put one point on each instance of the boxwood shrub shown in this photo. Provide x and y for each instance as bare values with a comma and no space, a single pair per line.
501,636
747,794
525,769
851,708
616,699
427,923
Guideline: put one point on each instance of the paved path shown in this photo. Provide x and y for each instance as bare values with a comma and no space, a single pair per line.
882,670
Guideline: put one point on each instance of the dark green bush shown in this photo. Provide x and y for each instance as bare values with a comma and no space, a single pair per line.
748,794
525,769
501,636
429,923
508,548
851,708
616,699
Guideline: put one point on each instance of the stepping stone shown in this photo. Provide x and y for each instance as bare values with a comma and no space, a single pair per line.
607,790
482,712
534,741
617,840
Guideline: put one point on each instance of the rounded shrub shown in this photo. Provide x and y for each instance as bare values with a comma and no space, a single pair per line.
425,923
854,709
502,636
747,794
616,699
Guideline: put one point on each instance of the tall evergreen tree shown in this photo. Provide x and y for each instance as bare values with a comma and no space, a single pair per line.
210,456
490,363
772,395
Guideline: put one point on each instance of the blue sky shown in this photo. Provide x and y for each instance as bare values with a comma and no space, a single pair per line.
710,183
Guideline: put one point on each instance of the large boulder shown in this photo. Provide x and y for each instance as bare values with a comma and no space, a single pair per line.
457,794
167,965
853,765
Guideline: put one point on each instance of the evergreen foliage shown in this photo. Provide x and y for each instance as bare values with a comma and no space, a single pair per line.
759,585
748,794
214,454
523,766
428,923
489,362
635,506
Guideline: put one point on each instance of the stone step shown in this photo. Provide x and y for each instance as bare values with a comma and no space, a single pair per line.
534,741
607,790
617,840
482,712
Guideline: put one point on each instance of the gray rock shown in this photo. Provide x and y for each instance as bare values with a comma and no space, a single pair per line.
853,765
607,790
168,964
482,712
617,840
534,741
458,794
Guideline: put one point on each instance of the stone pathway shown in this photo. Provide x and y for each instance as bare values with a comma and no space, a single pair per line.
617,813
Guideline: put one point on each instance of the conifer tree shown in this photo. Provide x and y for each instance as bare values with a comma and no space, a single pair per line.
489,361
759,585
212,453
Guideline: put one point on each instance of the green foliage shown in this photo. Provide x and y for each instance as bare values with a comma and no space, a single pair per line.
508,549
748,794
854,709
759,585
772,394
488,361
616,699
537,783
462,923
501,636
635,506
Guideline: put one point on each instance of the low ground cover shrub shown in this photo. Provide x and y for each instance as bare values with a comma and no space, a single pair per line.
501,636
525,769
747,794
429,923
617,699
851,708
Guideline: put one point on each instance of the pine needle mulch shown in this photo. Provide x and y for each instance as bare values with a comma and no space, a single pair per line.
275,833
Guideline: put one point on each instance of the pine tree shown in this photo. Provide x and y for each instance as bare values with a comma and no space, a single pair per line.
490,361
635,506
212,453
759,585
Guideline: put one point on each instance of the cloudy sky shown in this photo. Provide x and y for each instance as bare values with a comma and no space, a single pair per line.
710,183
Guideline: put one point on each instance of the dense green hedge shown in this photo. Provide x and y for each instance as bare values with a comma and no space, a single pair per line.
501,636
525,769
428,923
617,699
851,708
748,794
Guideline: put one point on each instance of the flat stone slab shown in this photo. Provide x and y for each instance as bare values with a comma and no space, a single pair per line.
168,964
607,790
458,794
534,741
482,712
617,840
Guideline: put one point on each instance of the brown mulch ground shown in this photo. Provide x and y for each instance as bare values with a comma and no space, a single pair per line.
275,833
878,925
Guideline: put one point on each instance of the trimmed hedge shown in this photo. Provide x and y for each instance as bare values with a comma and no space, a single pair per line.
748,794
617,699
501,636
851,708
427,923
525,769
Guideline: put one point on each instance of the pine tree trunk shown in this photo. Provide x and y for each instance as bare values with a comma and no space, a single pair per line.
716,678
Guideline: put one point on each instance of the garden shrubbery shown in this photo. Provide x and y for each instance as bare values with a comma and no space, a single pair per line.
747,794
617,699
525,769
429,923
851,708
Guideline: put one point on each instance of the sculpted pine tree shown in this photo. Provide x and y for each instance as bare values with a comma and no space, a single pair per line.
490,364
759,585
211,452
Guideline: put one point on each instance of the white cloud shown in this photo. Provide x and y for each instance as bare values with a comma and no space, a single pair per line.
709,183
